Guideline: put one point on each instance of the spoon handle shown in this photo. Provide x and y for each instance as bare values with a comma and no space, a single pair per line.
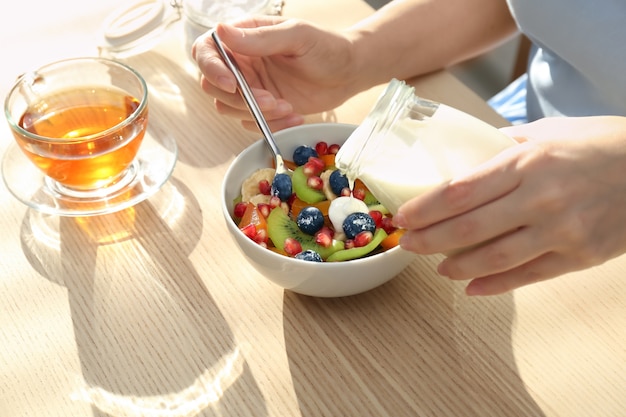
248,97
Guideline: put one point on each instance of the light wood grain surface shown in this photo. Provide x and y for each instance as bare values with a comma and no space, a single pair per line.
153,312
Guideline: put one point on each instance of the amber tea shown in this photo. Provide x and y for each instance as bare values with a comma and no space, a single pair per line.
93,146
81,122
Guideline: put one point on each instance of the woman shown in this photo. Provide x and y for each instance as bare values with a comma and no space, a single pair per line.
554,204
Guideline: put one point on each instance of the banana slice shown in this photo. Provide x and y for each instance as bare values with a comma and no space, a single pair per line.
259,199
250,186
262,198
328,192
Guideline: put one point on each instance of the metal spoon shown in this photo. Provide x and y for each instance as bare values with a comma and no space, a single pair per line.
252,104
260,121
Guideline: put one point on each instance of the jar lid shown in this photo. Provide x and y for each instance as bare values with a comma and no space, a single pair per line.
209,13
136,27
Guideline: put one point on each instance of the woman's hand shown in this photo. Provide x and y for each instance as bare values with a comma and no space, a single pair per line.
293,68
553,204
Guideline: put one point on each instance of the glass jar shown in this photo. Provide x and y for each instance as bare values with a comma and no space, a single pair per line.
408,145
140,25
200,16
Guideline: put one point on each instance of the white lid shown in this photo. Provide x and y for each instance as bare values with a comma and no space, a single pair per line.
210,12
136,27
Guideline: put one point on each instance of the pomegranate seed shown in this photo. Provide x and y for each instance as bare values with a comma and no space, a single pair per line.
315,182
327,230
292,246
314,166
249,230
345,192
377,216
265,187
261,236
274,201
359,193
264,209
363,238
333,149
387,224
349,244
324,237
240,209
321,147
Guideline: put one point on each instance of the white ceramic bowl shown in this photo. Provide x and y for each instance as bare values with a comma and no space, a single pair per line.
331,279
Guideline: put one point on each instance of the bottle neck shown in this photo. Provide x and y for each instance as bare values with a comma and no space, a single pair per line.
397,101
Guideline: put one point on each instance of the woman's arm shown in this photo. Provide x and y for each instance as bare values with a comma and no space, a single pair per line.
296,68
406,38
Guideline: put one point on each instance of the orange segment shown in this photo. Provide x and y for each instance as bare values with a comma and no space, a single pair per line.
393,239
359,184
253,216
298,205
288,164
329,159
278,251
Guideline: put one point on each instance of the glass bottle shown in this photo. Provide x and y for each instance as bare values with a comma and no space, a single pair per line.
199,16
139,25
408,145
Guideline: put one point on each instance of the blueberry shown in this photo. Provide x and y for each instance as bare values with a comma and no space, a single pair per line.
281,186
338,182
310,220
356,223
309,255
302,154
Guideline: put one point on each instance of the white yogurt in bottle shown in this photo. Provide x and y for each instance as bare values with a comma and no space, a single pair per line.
408,145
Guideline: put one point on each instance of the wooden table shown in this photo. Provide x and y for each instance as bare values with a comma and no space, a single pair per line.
153,312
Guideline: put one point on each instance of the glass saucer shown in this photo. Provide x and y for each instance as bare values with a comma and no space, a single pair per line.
153,167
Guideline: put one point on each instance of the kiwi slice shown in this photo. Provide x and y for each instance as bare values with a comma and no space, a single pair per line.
373,204
302,190
353,253
280,227
379,207
370,199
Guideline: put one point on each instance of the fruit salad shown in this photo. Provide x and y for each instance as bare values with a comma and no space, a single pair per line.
313,214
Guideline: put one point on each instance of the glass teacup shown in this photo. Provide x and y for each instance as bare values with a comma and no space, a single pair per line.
81,122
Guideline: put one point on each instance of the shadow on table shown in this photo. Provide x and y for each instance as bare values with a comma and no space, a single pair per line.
150,339
416,346
178,106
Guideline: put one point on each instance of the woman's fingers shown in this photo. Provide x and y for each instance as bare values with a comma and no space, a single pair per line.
478,225
279,113
275,125
500,254
547,266
488,182
264,98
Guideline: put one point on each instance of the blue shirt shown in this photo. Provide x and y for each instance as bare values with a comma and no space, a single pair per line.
577,65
